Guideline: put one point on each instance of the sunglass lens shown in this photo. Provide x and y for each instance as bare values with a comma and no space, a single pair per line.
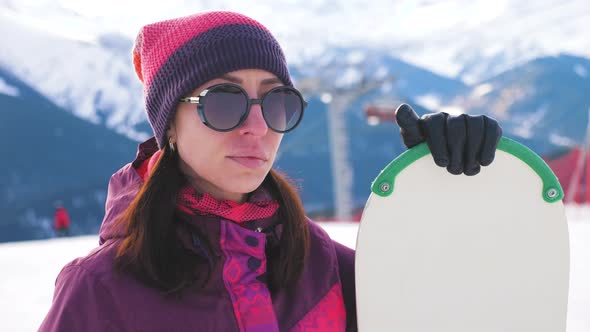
282,109
224,106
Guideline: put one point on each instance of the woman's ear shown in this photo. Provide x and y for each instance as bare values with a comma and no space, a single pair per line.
171,132
171,137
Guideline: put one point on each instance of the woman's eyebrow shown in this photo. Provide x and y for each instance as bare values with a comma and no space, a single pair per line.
273,80
238,80
232,79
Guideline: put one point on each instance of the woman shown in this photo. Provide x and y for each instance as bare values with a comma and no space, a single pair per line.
200,233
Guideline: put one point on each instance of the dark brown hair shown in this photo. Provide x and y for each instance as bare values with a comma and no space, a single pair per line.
151,251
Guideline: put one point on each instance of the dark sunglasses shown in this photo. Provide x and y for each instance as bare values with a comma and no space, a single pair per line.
224,107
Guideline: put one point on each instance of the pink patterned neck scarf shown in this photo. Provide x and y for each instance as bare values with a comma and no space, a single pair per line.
259,206
191,202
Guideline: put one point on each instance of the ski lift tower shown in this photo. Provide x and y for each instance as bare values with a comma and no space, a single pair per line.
338,99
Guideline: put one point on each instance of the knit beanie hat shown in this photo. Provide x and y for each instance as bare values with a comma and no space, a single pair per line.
174,57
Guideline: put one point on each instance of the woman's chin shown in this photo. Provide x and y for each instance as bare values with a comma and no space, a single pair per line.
244,185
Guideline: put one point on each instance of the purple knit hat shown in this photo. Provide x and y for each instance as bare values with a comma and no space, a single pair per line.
174,57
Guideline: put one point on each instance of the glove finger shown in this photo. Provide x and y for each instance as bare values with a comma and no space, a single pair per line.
456,137
409,124
475,131
434,126
493,133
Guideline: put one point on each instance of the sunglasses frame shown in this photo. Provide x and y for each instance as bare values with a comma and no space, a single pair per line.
201,100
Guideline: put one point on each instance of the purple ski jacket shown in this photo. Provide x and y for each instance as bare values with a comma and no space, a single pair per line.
89,296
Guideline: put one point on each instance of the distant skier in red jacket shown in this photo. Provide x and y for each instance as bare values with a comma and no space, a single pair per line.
61,221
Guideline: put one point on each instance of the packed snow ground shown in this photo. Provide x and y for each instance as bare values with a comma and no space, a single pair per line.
29,270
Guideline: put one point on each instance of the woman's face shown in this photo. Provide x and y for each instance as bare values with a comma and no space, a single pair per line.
227,165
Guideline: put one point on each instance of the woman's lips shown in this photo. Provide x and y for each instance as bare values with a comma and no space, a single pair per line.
249,162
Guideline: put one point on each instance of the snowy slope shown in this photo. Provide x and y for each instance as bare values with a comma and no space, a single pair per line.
27,289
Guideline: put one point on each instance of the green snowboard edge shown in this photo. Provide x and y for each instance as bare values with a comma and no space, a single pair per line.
552,192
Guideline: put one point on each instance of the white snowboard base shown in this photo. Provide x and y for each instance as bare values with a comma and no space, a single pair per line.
450,253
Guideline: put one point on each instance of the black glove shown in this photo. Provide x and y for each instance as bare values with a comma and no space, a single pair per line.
461,143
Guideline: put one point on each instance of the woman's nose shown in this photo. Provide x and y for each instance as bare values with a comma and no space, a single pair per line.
254,123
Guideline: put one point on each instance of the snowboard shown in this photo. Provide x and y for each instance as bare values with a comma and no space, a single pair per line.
455,253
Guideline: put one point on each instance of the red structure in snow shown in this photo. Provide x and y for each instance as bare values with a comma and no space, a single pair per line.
383,114
573,171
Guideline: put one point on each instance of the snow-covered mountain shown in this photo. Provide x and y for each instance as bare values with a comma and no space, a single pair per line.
543,103
468,39
95,81
78,54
